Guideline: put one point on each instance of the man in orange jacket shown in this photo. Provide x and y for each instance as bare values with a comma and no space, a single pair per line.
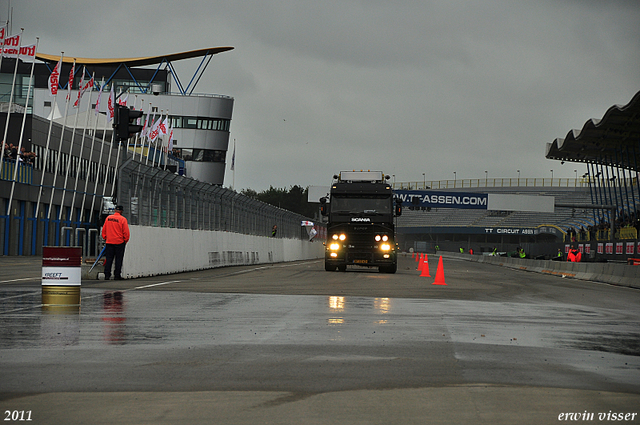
574,255
115,232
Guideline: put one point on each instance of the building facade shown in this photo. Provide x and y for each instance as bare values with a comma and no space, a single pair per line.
54,195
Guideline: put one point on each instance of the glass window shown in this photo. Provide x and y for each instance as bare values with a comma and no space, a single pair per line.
361,205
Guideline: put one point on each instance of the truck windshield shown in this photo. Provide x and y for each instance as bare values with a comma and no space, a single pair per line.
361,205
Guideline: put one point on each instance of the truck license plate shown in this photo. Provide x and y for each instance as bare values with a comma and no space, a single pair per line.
361,261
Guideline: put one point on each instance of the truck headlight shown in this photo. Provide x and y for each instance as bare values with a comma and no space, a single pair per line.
334,246
385,247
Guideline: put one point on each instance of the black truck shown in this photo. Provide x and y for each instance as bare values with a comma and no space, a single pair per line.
360,228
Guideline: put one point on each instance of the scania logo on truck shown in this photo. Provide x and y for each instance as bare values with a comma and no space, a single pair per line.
361,219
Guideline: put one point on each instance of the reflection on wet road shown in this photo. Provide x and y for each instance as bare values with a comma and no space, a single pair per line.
505,342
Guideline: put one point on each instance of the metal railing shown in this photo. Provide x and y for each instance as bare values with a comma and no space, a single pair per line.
494,182
158,198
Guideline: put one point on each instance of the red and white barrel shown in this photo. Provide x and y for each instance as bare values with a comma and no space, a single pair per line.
61,276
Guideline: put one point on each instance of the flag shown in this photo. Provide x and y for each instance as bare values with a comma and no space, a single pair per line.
97,108
70,84
111,105
25,51
150,125
77,102
3,33
82,88
164,126
145,127
122,101
11,46
54,78
170,145
154,131
233,158
28,51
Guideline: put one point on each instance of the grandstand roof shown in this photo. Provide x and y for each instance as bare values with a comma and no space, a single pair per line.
612,140
140,61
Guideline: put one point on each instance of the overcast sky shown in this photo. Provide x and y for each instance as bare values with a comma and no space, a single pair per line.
407,87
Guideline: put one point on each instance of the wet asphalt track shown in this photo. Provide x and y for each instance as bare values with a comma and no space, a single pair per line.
291,343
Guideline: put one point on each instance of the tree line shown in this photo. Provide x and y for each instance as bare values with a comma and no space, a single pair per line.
294,199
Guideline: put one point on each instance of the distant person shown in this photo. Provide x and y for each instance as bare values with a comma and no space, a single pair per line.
437,248
274,231
461,250
470,251
574,255
560,255
115,232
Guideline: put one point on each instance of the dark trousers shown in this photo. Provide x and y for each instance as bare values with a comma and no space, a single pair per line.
113,252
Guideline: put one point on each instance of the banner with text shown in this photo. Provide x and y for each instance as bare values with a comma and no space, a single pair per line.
438,199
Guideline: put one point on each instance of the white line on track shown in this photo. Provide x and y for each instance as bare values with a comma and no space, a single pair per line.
18,280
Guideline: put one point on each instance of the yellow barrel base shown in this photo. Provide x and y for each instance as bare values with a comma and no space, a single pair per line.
60,296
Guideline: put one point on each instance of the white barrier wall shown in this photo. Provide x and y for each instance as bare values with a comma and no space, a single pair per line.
156,250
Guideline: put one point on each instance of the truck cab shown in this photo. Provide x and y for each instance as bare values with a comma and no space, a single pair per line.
360,228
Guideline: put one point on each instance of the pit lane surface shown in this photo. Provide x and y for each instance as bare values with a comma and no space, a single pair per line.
291,343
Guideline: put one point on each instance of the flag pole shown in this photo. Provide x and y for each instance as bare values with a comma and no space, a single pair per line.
104,137
73,137
110,117
85,86
147,137
166,150
115,173
135,139
24,119
93,141
55,172
144,130
46,150
13,85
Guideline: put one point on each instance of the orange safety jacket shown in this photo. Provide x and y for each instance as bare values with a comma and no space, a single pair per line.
574,256
116,229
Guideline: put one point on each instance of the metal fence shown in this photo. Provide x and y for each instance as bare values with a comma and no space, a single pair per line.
156,197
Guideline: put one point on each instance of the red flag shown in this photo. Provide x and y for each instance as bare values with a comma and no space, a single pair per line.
83,87
97,108
163,127
11,46
28,51
122,101
77,102
54,78
70,84
111,105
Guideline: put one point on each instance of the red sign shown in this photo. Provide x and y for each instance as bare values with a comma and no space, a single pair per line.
61,256
630,247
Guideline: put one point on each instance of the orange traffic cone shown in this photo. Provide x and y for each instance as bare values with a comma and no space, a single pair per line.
418,257
439,273
419,264
425,268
